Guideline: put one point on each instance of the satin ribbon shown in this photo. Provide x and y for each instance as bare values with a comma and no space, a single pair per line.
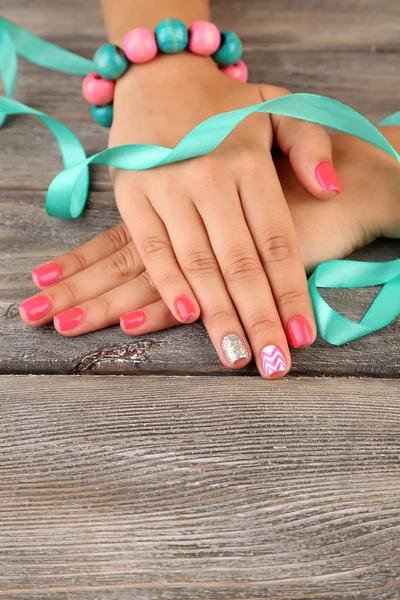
67,194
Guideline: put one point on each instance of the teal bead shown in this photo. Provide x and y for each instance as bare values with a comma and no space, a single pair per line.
103,115
171,36
230,49
110,61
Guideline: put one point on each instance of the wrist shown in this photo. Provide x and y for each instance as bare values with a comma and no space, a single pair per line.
122,15
167,69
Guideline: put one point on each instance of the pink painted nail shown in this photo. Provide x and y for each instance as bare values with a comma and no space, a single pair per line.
35,308
327,177
68,319
299,332
47,274
185,308
272,360
133,319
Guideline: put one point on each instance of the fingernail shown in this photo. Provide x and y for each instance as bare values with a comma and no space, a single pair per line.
133,319
68,319
185,308
233,348
299,332
272,360
47,274
35,308
327,177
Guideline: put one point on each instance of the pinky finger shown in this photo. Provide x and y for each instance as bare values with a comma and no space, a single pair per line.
152,317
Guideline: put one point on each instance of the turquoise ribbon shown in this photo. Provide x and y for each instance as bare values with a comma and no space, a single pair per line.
334,327
15,41
67,194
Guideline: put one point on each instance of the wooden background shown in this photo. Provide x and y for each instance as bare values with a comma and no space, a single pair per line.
119,487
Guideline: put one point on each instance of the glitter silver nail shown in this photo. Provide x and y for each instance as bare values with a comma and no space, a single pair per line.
233,348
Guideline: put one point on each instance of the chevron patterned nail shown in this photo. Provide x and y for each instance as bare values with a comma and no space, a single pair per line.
272,360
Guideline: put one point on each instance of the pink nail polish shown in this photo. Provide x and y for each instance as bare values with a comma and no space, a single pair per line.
299,331
272,360
327,177
35,308
133,319
185,308
68,319
47,274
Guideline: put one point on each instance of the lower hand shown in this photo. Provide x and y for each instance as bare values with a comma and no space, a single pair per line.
105,278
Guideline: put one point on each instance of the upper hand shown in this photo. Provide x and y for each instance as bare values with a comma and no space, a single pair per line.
215,233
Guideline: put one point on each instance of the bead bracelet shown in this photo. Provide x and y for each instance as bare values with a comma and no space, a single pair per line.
142,45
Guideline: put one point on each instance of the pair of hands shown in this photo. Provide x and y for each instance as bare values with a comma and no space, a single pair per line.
225,236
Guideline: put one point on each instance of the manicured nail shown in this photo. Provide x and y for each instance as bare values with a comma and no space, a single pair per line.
68,319
185,308
272,360
133,319
233,348
327,177
35,308
299,332
47,274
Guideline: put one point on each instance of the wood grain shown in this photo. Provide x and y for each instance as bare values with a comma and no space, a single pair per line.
29,237
115,487
200,488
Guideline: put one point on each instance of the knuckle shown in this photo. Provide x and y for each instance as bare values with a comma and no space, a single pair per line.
250,162
104,307
79,258
155,245
206,173
121,264
260,323
169,185
68,289
277,248
242,266
218,316
147,283
290,297
117,237
200,262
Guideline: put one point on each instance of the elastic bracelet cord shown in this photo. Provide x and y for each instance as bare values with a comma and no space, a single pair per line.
142,45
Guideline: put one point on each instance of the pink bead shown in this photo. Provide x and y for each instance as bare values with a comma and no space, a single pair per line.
97,90
238,71
204,38
140,45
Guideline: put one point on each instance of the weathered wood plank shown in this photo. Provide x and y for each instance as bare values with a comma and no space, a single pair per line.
283,22
114,487
28,237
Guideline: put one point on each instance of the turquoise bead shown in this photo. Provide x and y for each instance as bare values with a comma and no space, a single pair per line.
110,61
171,36
230,49
103,115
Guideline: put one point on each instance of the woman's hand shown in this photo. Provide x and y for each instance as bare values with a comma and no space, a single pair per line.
105,278
214,233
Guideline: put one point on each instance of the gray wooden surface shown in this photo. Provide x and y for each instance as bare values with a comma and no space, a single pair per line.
120,488
195,487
